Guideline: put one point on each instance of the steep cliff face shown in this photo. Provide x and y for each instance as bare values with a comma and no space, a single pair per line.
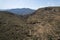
46,23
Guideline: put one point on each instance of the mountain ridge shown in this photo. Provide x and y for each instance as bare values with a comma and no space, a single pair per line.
22,11
43,24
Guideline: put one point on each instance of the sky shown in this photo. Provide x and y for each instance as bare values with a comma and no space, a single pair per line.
33,4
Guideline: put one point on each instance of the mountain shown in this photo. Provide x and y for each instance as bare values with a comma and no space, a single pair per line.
43,24
22,11
11,26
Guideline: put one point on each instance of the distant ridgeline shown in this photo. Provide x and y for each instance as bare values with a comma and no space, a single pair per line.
22,11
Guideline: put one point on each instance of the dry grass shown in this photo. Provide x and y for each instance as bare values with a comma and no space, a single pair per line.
44,24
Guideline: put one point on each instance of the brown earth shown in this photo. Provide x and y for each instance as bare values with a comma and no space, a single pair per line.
43,24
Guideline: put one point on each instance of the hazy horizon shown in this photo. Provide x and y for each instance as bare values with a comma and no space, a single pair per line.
32,4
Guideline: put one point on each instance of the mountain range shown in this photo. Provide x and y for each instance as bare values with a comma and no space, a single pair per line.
22,11
42,24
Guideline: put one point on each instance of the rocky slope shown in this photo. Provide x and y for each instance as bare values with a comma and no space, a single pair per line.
11,26
43,24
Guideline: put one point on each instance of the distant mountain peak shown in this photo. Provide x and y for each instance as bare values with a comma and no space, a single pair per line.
22,11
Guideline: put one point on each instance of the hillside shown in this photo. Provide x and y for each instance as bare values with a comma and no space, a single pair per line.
11,26
43,24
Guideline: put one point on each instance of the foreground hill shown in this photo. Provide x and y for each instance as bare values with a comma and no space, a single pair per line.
43,24
11,26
